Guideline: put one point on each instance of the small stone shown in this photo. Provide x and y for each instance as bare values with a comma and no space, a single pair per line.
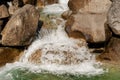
3,12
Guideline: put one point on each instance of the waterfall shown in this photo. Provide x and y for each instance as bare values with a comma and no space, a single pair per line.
55,52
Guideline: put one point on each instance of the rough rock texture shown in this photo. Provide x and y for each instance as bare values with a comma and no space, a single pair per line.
66,14
112,52
114,17
3,12
21,28
8,55
35,57
89,18
75,5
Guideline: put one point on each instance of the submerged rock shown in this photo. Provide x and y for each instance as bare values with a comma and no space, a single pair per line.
14,6
88,19
21,28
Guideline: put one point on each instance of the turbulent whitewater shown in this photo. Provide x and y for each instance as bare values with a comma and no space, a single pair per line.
55,52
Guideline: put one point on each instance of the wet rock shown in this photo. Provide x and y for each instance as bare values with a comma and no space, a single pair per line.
35,57
74,34
40,4
88,19
17,3
21,28
9,55
14,6
112,52
114,17
66,14
3,12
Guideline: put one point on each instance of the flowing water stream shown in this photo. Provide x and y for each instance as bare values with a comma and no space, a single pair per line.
55,56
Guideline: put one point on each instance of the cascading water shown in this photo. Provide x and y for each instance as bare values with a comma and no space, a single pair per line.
55,52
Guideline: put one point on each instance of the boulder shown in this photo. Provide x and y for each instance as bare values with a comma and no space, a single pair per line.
3,12
21,28
89,6
88,19
112,52
9,55
114,17
75,5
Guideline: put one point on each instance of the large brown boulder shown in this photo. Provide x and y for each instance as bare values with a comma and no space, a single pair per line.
89,19
3,12
114,17
21,28
112,52
9,55
75,5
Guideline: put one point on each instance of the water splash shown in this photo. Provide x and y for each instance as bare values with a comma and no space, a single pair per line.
55,52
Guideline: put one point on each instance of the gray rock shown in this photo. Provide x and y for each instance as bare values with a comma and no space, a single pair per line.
114,17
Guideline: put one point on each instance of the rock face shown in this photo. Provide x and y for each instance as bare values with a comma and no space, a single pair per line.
3,12
65,15
75,5
21,28
8,55
114,17
112,52
89,18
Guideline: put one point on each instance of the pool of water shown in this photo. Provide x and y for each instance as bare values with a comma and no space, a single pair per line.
24,74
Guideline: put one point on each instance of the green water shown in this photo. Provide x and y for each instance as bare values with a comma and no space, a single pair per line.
21,74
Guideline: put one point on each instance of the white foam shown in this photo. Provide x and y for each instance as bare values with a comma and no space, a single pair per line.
58,41
55,8
63,2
